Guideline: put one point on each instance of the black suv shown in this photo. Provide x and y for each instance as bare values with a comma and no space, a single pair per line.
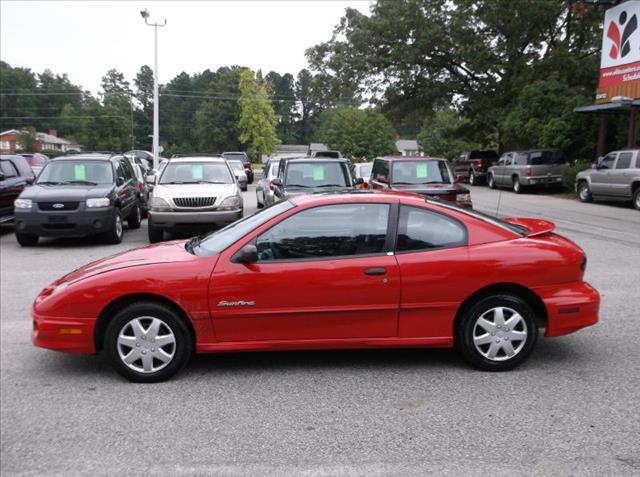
78,195
245,160
308,175
15,175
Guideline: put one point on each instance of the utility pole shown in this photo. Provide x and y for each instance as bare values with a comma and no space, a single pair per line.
156,120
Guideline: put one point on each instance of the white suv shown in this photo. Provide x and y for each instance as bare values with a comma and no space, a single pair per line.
191,191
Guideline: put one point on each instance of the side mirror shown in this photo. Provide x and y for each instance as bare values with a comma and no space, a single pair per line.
30,180
247,254
1,176
150,179
120,181
594,166
277,182
358,181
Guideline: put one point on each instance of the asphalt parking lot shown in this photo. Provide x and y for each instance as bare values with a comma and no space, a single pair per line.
572,409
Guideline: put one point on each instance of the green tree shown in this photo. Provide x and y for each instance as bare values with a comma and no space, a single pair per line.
357,133
281,88
443,134
257,119
27,139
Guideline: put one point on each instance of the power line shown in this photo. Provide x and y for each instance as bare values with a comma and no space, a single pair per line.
62,118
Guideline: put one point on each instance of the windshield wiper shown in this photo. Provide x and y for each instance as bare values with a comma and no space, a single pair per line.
404,183
331,185
80,182
296,185
47,183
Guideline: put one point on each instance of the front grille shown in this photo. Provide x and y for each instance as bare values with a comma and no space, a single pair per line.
58,226
194,202
65,205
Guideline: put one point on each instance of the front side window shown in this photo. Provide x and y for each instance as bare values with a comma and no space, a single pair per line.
196,173
365,171
421,229
541,158
421,172
236,165
328,231
77,172
317,174
520,159
607,161
380,171
624,160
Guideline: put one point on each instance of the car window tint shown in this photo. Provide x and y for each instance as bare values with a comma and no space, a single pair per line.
8,169
421,229
520,159
420,172
624,160
607,162
380,171
317,174
196,172
99,172
539,158
327,231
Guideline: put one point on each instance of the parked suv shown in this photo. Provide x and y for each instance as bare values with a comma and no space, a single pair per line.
264,188
534,168
308,175
81,194
239,172
428,176
36,160
193,191
15,175
246,162
615,177
473,165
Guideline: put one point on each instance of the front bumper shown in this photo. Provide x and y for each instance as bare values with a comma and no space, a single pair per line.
73,335
173,218
70,223
541,181
570,307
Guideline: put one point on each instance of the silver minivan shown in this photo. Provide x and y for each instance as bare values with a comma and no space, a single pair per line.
534,168
616,176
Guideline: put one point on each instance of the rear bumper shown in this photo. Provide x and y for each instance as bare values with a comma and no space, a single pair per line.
170,219
72,335
65,224
541,180
570,307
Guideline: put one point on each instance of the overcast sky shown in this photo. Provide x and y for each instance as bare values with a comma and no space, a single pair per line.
85,39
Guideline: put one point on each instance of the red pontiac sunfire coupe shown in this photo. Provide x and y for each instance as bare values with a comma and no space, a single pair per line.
357,270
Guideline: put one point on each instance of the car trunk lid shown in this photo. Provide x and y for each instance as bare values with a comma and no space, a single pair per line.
534,226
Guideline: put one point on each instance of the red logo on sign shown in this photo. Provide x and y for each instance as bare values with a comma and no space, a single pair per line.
621,45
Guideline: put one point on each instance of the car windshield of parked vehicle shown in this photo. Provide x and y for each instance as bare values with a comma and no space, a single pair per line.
196,173
217,241
364,170
273,169
540,158
35,160
236,165
314,174
421,172
82,172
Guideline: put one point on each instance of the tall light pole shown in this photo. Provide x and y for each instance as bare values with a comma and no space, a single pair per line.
156,121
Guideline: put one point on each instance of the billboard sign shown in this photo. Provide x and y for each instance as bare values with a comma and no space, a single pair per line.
620,60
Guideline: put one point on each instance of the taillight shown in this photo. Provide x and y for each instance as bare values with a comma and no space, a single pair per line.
364,185
527,171
140,186
271,186
247,166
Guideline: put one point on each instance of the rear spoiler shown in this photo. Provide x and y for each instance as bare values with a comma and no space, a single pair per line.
534,226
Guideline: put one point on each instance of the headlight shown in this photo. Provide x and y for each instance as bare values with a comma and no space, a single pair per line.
463,197
230,203
158,203
23,203
101,202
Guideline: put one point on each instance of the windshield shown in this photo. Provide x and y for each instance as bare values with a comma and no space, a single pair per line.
236,165
518,229
196,173
77,172
217,241
365,170
273,169
539,158
421,172
317,174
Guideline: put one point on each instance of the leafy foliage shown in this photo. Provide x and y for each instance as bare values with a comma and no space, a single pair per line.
27,139
443,135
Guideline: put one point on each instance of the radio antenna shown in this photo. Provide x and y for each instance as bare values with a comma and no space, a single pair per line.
499,197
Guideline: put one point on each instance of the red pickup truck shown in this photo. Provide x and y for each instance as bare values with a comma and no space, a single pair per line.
473,165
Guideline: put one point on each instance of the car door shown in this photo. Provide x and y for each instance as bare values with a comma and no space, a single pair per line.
619,178
323,273
380,174
600,176
498,170
432,255
11,185
511,167
125,187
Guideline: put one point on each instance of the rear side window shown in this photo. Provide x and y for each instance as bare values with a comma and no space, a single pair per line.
328,231
607,162
520,159
8,169
22,165
624,160
380,171
421,229
541,158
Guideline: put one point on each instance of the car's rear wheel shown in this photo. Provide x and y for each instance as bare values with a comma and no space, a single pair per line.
114,236
26,240
472,178
492,182
517,187
135,218
156,234
258,202
584,193
148,342
636,198
497,333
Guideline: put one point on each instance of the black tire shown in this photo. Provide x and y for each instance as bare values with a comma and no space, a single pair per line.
584,193
115,234
244,189
27,240
172,324
135,217
467,328
636,198
472,178
491,182
517,186
259,205
156,234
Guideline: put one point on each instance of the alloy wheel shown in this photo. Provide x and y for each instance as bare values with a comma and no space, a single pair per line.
119,226
500,333
146,344
472,178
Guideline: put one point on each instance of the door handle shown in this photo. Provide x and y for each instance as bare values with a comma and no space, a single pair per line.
375,271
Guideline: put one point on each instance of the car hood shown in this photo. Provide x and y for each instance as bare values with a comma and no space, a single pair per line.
65,193
195,190
165,252
431,189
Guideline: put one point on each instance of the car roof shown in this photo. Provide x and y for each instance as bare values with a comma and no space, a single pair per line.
411,158
315,160
94,156
386,196
197,159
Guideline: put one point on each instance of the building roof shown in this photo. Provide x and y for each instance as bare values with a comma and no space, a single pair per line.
42,137
407,145
614,107
295,148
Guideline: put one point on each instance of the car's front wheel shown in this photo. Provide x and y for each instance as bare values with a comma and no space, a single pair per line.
636,198
472,178
492,182
135,218
517,186
497,333
115,234
584,193
148,342
26,240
